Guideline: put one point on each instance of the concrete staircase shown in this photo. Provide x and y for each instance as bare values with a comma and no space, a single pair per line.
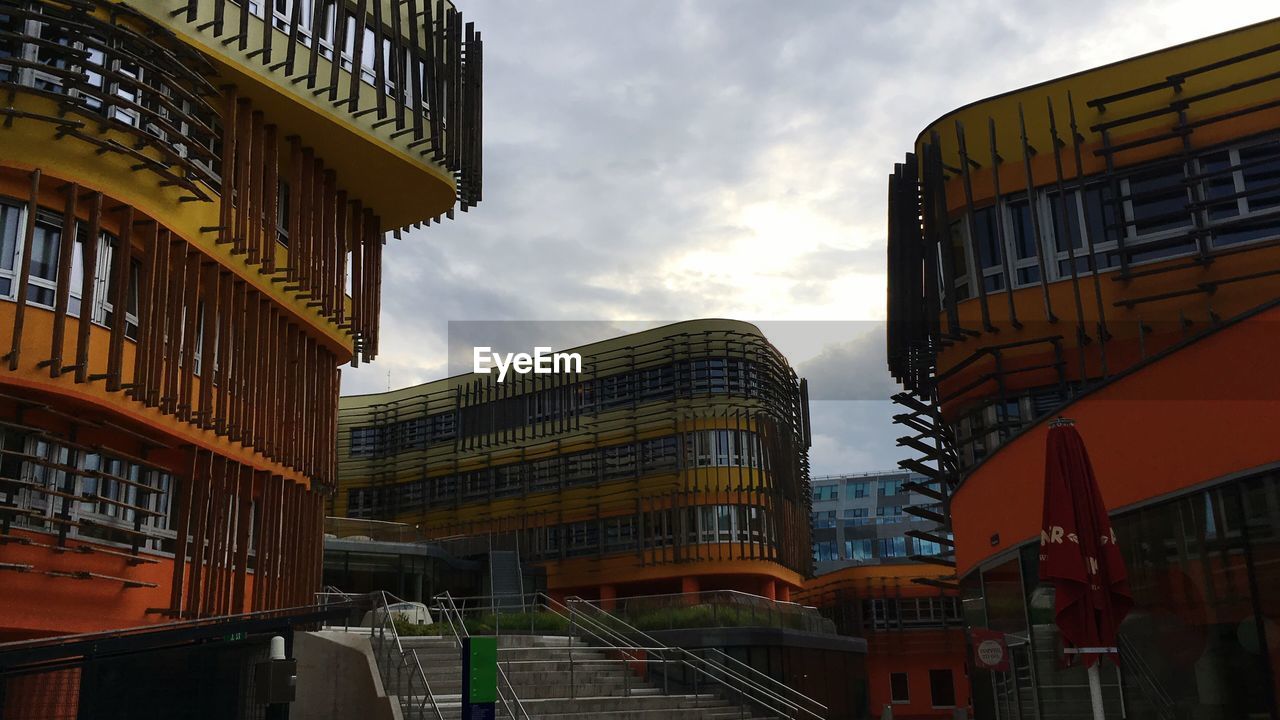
550,687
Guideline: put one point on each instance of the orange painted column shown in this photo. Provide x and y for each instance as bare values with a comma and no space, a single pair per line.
769,589
608,597
784,592
688,585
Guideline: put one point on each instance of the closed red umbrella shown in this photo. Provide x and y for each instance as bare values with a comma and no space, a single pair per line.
1079,555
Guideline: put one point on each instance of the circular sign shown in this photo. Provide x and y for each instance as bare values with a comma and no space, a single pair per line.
990,652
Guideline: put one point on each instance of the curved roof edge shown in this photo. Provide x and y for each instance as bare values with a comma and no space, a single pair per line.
615,342
1092,70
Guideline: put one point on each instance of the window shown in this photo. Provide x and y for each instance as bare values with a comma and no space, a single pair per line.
706,523
825,551
826,492
1244,181
580,468
544,474
824,519
619,461
657,382
891,547
42,282
659,454
582,538
942,690
364,441
507,480
282,214
892,486
1022,233
899,692
620,533
987,248
103,310
960,262
858,550
9,230
891,514
857,489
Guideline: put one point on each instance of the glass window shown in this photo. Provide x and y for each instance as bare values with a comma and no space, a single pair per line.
959,262
10,229
1158,200
858,550
1260,169
942,689
42,284
899,692
987,248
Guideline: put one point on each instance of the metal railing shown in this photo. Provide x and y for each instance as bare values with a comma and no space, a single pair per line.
450,611
400,665
718,608
680,668
715,656
1165,706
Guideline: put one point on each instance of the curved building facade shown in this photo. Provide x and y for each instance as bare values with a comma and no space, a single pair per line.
1106,247
675,461
191,230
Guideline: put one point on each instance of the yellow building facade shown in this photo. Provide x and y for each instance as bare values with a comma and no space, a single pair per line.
675,461
194,200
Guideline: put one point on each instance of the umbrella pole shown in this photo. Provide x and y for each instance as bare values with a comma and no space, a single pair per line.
1095,690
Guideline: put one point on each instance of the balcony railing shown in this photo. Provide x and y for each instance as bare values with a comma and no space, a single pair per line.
413,63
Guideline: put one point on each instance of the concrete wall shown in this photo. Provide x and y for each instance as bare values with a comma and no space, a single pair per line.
338,678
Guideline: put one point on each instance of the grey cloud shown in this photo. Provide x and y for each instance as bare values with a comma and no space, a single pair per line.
852,369
622,135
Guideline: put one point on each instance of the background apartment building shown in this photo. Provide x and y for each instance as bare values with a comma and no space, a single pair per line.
872,519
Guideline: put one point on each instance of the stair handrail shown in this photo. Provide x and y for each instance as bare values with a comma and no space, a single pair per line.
688,659
450,609
1146,676
388,618
754,674
700,666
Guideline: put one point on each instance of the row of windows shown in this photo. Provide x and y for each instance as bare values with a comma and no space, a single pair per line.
1235,193
861,488
48,487
672,453
942,688
376,440
884,515
695,525
394,72
900,613
983,428
685,378
43,280
113,76
868,549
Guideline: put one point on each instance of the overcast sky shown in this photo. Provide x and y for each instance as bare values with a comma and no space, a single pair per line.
657,161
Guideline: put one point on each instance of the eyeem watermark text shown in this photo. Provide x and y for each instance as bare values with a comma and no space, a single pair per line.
541,362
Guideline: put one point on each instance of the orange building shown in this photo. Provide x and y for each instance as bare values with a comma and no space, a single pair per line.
676,461
192,213
915,635
1106,247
